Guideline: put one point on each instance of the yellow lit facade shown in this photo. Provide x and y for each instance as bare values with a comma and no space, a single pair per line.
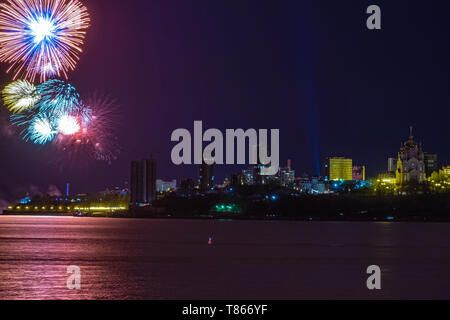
100,207
385,183
445,173
103,207
340,169
440,182
112,202
387,178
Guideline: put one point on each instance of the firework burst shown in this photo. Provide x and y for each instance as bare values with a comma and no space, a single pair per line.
68,125
96,137
19,96
42,37
81,131
58,112
38,128
58,98
41,130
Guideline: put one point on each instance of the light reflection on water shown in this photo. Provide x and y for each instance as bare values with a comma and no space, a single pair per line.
171,259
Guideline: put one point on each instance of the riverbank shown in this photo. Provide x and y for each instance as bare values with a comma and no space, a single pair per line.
417,208
362,218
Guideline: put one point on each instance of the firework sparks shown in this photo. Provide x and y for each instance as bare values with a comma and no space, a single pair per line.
37,127
68,125
80,130
23,119
58,98
96,137
41,130
20,96
42,37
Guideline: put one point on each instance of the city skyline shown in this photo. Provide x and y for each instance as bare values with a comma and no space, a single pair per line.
212,180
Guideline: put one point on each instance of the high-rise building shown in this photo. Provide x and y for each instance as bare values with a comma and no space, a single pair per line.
392,165
287,175
359,173
431,163
206,177
143,181
338,168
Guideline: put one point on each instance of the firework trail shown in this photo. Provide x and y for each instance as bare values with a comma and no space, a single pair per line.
23,119
19,96
42,37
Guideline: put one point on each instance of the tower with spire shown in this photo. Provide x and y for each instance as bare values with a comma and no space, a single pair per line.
410,164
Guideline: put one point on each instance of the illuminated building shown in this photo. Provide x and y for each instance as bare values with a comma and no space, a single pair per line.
143,181
385,183
261,179
313,186
248,177
25,200
410,163
387,178
104,202
253,176
431,163
392,165
440,182
226,208
338,168
165,186
287,175
445,173
206,177
359,173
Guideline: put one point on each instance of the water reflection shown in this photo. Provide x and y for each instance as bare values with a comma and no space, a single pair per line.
171,259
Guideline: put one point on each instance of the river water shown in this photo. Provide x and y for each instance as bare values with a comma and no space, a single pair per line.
171,259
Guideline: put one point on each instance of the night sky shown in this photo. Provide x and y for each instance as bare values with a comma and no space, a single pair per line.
310,68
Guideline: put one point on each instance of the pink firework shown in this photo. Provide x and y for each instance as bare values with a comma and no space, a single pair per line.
97,135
